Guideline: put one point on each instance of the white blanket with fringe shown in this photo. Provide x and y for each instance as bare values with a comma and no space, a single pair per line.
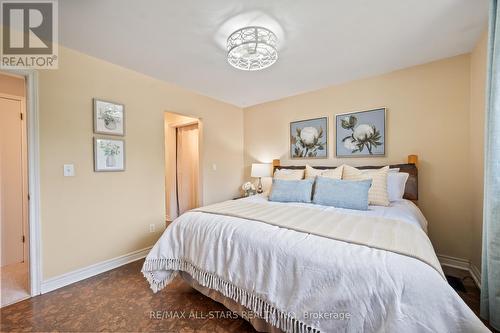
301,282
374,231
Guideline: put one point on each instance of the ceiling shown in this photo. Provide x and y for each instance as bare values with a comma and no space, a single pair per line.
321,42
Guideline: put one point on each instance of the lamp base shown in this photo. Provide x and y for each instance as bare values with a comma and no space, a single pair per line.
259,186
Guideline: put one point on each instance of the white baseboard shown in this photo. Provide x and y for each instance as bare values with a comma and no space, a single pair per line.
92,270
462,264
476,275
459,263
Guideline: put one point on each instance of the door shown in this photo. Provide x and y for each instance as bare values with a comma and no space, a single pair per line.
11,181
187,168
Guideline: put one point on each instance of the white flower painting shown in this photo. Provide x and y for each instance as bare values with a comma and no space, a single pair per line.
361,133
109,118
309,138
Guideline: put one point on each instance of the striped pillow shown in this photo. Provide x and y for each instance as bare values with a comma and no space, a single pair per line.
289,174
377,195
328,173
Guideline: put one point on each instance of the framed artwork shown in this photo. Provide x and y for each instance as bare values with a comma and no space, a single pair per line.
109,118
109,154
309,138
360,134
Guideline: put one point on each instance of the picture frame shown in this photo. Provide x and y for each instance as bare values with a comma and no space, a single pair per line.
309,138
109,117
109,155
361,133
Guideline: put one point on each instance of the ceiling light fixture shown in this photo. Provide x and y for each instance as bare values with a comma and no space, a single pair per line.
252,48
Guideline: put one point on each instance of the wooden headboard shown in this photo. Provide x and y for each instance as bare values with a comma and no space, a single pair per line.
411,189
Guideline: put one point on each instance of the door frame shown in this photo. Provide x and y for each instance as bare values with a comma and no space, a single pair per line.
33,143
169,145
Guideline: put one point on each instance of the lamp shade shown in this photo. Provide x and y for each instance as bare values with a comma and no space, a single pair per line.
261,170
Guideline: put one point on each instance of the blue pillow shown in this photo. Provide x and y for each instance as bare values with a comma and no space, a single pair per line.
291,190
350,194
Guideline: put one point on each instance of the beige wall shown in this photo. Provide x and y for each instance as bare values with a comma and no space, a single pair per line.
97,216
428,114
477,113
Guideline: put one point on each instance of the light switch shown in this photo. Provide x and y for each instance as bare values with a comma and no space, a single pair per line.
214,167
69,170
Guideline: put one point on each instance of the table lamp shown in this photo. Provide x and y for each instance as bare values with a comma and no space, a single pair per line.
260,170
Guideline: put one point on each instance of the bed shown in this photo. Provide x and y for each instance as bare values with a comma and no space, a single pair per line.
288,279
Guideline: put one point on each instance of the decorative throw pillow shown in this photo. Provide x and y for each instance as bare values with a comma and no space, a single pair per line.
349,194
289,174
329,173
378,191
291,190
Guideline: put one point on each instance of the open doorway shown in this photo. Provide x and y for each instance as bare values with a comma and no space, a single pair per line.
14,270
182,164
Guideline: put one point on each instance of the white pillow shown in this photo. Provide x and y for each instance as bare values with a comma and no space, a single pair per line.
329,173
371,170
396,183
289,174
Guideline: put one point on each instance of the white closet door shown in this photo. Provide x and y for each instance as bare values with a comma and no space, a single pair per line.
187,167
11,181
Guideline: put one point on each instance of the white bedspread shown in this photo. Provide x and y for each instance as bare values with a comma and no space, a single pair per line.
311,281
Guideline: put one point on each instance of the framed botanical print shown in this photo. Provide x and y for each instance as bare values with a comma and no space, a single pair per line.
109,154
109,118
309,138
360,134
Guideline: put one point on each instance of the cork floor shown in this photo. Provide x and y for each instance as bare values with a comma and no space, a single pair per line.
121,301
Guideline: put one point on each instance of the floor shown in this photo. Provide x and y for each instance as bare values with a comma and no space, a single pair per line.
128,304
131,306
14,283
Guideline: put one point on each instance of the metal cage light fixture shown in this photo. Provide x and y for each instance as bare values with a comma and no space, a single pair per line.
252,48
